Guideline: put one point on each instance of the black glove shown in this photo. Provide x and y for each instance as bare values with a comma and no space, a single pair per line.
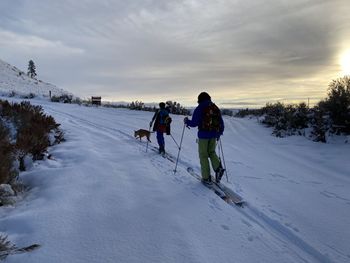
185,120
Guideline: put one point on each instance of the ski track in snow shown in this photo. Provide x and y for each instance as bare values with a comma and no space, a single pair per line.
265,228
282,233
264,222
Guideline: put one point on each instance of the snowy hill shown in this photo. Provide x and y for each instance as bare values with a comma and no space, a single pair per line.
15,80
103,198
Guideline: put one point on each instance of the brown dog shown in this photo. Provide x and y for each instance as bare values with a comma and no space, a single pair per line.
141,133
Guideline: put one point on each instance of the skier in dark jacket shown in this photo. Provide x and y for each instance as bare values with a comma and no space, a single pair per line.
207,117
161,125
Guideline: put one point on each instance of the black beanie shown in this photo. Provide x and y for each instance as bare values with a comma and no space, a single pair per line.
162,105
203,97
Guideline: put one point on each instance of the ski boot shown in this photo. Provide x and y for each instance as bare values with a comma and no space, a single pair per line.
161,149
219,173
207,181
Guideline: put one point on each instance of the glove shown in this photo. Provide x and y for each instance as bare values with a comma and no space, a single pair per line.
185,120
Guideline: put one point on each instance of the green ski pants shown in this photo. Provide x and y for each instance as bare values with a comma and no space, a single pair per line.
206,148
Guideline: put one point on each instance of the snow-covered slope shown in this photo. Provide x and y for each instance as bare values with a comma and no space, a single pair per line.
105,199
15,80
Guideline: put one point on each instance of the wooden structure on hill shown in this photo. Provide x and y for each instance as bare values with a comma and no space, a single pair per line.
96,100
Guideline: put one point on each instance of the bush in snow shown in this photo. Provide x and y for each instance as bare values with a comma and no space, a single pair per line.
173,107
289,119
332,115
65,98
329,116
227,112
248,112
12,94
176,108
7,172
319,123
137,105
7,195
29,96
32,130
5,246
337,105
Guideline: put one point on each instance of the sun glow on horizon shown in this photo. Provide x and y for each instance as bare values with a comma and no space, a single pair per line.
345,62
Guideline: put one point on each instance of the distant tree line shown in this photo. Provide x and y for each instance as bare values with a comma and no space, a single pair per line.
329,116
172,107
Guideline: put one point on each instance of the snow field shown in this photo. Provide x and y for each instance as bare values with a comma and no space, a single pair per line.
104,199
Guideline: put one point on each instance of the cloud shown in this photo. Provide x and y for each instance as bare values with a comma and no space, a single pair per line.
32,43
154,49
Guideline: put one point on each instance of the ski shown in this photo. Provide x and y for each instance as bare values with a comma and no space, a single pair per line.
220,190
229,194
212,187
237,199
164,155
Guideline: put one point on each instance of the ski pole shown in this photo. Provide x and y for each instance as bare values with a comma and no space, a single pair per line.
218,144
147,140
178,154
223,158
175,141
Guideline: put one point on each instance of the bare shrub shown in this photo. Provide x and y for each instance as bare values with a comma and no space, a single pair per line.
5,246
6,157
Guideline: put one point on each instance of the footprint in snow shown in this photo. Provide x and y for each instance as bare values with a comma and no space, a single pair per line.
293,182
214,204
332,195
225,227
276,175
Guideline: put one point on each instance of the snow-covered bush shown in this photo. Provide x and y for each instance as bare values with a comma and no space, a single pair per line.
5,246
172,107
319,123
7,172
32,134
176,108
329,116
227,112
29,96
286,120
65,98
7,195
337,105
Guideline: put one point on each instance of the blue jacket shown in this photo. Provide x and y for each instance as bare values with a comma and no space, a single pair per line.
159,117
197,120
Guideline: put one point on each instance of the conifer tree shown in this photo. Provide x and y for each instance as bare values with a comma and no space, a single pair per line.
31,69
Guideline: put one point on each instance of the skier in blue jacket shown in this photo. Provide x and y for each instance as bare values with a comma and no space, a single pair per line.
162,122
207,117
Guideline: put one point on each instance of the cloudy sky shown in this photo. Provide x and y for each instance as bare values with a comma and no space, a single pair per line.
241,52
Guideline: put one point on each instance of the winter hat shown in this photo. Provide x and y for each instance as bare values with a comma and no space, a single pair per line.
203,97
162,105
